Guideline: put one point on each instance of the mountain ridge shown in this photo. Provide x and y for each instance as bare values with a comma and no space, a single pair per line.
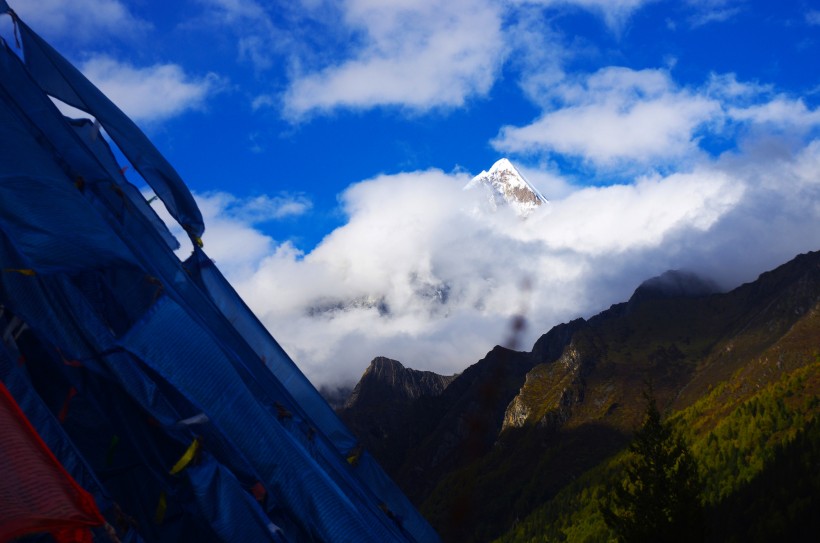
576,393
407,383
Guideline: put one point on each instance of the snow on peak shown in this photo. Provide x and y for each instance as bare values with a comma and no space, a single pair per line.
508,186
502,164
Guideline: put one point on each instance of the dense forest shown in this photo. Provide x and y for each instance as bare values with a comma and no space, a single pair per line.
758,461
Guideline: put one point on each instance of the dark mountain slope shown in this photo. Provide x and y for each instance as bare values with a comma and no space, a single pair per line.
379,410
738,433
465,419
516,427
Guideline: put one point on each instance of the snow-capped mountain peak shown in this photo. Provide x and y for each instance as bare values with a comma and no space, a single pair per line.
503,165
508,186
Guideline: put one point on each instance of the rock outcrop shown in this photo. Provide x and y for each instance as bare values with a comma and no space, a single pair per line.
387,380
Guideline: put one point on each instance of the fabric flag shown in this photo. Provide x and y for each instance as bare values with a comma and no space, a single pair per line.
36,493
62,80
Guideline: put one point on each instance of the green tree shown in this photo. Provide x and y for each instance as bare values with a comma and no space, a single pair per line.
659,498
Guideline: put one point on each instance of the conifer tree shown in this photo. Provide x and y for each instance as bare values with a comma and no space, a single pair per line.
659,499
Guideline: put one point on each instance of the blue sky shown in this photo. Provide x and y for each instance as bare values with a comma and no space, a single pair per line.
328,141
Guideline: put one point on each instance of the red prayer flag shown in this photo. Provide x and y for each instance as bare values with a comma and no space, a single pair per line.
37,494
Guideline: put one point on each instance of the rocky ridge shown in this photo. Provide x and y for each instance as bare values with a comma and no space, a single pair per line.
387,378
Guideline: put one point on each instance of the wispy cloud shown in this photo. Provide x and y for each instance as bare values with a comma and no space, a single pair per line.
81,20
260,209
263,101
813,17
713,11
538,52
782,112
257,35
614,12
414,55
761,106
727,88
136,89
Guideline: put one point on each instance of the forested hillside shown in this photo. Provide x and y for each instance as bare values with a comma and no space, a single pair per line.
758,462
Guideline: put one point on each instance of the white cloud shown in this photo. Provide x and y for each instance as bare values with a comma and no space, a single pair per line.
238,10
713,11
639,215
548,180
759,105
614,12
813,17
257,35
624,119
231,238
135,89
263,101
727,88
780,111
537,52
80,20
417,274
416,55
253,210
615,115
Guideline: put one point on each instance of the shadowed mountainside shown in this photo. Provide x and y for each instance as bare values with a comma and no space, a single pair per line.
508,433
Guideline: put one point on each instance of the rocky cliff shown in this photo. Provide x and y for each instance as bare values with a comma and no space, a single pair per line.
387,380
